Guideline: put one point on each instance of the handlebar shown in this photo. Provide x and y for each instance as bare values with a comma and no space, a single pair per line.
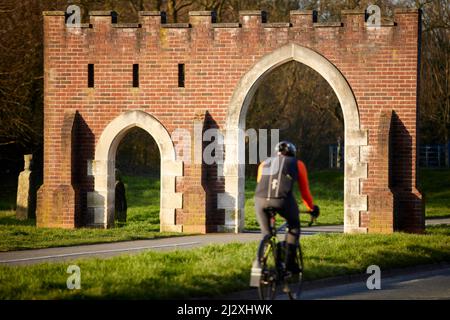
313,218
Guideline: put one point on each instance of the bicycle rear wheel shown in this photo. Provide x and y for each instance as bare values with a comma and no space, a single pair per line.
295,281
267,259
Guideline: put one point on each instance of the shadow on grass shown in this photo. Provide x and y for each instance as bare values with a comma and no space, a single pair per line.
444,216
10,220
202,287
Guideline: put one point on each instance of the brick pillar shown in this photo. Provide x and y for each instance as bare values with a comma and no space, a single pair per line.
194,195
56,203
408,202
380,200
194,202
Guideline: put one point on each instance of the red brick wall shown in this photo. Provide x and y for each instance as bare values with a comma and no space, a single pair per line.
379,64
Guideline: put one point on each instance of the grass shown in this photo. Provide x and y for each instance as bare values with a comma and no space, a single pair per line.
143,201
142,223
435,186
218,269
143,211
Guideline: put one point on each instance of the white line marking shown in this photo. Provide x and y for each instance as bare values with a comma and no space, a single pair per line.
96,252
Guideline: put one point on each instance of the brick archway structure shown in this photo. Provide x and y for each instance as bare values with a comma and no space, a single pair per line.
202,74
355,170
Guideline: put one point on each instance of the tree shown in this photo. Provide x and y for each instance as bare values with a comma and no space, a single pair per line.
303,107
21,77
435,74
21,61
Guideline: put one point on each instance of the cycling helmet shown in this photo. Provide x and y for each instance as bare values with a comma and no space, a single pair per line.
286,148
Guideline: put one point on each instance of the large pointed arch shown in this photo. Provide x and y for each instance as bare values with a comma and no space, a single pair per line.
101,201
232,200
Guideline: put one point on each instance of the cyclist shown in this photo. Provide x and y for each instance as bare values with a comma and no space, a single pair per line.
275,180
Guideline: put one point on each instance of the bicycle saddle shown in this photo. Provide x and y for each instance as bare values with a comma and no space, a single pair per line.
270,210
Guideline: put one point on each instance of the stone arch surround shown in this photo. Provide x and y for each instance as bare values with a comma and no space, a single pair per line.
355,138
101,201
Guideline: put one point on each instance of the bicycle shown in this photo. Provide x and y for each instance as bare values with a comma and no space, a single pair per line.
272,264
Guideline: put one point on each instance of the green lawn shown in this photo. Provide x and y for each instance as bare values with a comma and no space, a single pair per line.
327,189
143,201
218,269
435,186
142,223
143,211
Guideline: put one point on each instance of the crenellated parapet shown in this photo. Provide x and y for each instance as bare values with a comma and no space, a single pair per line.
352,20
104,33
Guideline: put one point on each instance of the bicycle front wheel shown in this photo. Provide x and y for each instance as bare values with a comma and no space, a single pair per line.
267,259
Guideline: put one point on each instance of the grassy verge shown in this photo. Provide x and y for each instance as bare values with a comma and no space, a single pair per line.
17,236
143,211
218,269
142,223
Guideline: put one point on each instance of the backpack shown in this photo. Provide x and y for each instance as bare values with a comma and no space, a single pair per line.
277,177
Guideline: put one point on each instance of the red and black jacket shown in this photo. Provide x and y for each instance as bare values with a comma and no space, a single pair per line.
277,175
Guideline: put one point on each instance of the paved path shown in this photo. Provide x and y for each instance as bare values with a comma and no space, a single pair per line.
420,285
423,282
104,250
430,222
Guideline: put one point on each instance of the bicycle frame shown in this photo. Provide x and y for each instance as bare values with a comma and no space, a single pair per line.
272,249
284,225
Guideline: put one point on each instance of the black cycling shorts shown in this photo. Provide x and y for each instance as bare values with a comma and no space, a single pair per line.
287,208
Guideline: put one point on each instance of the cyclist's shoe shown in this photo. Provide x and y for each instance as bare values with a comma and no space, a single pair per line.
256,274
292,265
293,268
281,247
